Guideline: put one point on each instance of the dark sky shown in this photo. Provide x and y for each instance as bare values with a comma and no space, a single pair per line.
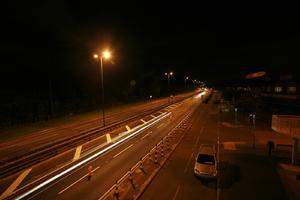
211,42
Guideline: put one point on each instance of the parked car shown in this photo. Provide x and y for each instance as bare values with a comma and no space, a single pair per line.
206,162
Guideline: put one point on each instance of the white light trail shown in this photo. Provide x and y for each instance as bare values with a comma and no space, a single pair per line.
91,157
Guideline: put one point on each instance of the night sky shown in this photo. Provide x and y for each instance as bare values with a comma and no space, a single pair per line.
214,43
189,38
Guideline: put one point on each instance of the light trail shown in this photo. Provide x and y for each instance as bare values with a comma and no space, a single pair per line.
92,157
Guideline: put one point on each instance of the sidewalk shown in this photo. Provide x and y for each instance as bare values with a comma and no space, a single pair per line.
281,156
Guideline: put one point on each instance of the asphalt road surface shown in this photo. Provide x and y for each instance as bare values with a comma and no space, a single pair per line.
70,182
244,173
23,144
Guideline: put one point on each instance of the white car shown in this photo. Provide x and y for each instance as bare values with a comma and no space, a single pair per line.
206,162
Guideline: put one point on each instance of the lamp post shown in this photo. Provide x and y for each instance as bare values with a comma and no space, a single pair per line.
194,81
169,74
185,79
106,55
252,125
235,115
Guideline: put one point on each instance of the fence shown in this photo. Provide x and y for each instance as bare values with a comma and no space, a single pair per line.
287,125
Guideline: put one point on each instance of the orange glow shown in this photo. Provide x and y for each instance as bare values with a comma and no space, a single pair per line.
106,54
255,75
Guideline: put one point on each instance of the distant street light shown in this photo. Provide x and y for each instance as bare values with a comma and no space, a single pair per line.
169,74
194,81
106,55
235,114
185,79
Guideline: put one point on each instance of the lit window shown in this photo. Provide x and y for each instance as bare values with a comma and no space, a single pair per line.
292,89
278,89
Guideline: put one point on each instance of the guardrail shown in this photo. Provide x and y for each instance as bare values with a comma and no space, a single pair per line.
132,184
18,163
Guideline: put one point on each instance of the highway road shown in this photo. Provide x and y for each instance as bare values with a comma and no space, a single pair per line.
65,176
244,173
32,141
176,180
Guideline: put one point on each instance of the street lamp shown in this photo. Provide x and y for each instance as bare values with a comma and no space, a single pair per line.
252,124
186,78
169,74
194,81
105,55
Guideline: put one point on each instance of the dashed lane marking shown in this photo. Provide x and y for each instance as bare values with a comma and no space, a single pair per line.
145,135
15,184
122,151
176,193
128,128
77,181
77,153
160,125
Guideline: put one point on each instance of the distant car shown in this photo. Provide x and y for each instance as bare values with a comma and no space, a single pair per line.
206,162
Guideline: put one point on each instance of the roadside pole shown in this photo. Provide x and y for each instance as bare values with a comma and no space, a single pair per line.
218,155
252,128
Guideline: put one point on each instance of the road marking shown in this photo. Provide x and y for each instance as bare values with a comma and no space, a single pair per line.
77,153
123,151
160,125
152,116
161,112
15,184
229,145
108,138
176,193
143,121
62,191
128,128
96,154
145,135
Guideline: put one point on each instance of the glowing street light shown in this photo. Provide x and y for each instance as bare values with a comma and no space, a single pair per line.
106,55
185,79
169,74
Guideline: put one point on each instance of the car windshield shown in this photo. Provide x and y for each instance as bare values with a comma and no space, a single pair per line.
206,159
